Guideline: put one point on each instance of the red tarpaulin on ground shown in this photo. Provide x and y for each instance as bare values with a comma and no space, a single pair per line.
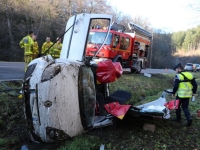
116,109
172,104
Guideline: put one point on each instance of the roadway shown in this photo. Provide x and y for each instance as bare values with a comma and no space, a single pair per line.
11,71
15,71
153,71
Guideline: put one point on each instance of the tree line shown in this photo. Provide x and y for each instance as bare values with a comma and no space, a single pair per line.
187,40
49,18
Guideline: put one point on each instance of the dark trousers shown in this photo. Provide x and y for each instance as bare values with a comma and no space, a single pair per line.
184,102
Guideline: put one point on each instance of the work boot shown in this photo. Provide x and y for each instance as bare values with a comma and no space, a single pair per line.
176,120
189,123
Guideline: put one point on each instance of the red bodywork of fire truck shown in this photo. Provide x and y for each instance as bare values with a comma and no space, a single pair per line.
130,49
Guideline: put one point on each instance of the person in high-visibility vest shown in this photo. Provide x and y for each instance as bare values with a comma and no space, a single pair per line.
46,45
35,47
57,48
185,87
27,44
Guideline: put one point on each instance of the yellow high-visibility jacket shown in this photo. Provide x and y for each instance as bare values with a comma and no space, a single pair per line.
27,44
56,50
35,47
185,88
45,46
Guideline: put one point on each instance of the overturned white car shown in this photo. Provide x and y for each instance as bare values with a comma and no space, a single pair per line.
61,95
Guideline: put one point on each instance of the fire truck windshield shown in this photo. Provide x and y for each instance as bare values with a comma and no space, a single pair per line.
98,38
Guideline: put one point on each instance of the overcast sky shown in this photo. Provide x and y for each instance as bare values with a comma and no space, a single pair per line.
169,15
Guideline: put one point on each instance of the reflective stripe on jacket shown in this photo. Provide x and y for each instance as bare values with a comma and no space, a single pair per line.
185,86
35,47
27,44
56,50
45,46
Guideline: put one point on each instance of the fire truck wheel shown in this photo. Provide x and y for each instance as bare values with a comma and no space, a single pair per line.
119,60
138,70
139,67
133,71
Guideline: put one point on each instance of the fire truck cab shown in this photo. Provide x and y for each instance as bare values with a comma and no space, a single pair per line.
129,48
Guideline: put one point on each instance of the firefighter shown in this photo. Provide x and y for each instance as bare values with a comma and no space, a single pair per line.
27,44
35,47
185,86
46,45
57,48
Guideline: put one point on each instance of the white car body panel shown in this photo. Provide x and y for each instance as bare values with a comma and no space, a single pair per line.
64,100
64,114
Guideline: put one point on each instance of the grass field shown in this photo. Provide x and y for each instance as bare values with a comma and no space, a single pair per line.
126,134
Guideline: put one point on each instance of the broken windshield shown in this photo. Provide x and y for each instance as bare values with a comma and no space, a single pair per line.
98,38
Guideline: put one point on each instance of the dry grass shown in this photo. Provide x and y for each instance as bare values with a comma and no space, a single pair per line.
183,53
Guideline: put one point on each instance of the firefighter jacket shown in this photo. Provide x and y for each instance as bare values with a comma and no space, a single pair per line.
46,46
56,50
35,47
184,85
27,44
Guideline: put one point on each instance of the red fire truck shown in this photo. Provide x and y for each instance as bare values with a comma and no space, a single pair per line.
129,48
